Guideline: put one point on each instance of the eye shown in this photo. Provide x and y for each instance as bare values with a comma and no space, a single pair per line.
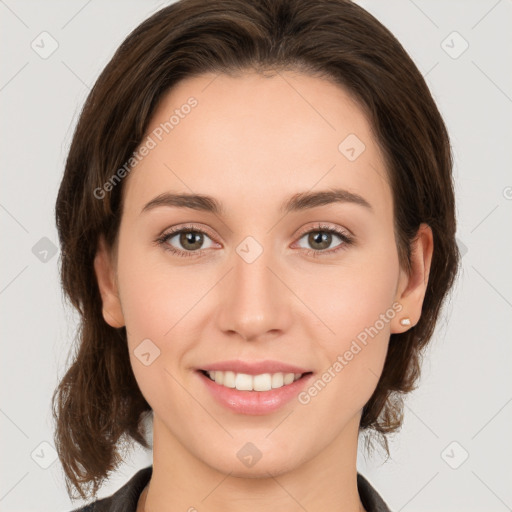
189,241
322,237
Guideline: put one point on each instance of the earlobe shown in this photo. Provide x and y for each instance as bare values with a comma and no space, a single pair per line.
412,288
105,276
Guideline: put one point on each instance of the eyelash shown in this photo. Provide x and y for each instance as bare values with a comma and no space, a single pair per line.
162,241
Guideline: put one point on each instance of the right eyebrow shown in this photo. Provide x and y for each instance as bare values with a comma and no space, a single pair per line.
193,201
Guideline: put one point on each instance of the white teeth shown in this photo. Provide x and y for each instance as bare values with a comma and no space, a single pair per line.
245,382
288,378
277,380
262,382
229,379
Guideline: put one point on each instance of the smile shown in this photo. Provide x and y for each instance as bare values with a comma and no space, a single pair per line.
246,382
259,394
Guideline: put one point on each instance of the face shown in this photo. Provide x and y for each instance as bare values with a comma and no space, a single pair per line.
316,286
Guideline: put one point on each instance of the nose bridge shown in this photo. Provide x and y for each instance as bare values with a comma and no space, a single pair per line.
254,302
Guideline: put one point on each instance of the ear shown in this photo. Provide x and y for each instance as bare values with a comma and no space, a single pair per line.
412,288
107,284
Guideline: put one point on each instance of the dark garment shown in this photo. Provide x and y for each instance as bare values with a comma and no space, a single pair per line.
127,497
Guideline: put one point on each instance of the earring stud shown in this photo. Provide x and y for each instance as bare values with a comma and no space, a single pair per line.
405,321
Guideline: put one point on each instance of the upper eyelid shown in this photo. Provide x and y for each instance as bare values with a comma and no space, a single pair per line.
320,226
189,227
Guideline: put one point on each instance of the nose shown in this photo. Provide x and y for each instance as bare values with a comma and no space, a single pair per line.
255,302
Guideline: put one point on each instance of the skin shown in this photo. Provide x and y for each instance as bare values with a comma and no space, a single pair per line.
251,143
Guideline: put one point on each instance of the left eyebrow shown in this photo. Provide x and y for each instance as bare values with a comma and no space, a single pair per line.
306,200
297,202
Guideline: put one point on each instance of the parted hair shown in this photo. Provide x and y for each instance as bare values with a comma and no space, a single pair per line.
97,406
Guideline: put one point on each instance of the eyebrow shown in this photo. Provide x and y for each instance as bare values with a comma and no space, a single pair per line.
297,202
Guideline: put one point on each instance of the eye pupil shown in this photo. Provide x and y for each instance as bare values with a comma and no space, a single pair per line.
320,237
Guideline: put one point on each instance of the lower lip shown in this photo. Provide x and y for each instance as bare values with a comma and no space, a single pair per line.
255,402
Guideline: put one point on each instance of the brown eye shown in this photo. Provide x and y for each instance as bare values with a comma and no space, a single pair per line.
191,240
320,240
185,242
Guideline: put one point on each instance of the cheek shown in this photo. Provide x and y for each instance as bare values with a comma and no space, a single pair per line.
161,304
148,306
154,296
354,358
359,312
155,305
353,296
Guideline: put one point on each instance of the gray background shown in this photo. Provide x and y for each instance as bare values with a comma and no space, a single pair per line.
454,450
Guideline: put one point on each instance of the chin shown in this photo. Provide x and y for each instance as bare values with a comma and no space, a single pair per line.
269,464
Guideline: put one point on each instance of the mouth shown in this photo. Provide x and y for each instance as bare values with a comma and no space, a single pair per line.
257,383
251,393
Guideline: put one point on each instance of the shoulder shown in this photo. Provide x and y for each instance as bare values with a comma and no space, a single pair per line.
370,498
124,499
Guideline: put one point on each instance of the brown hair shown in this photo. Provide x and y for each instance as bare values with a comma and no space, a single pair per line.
98,403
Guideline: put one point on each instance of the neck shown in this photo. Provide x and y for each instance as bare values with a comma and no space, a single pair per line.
181,481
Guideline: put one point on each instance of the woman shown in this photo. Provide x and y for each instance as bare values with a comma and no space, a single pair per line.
257,224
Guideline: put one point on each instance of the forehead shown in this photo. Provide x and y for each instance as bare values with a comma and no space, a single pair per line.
258,138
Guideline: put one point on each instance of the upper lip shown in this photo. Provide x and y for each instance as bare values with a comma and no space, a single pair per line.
254,367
